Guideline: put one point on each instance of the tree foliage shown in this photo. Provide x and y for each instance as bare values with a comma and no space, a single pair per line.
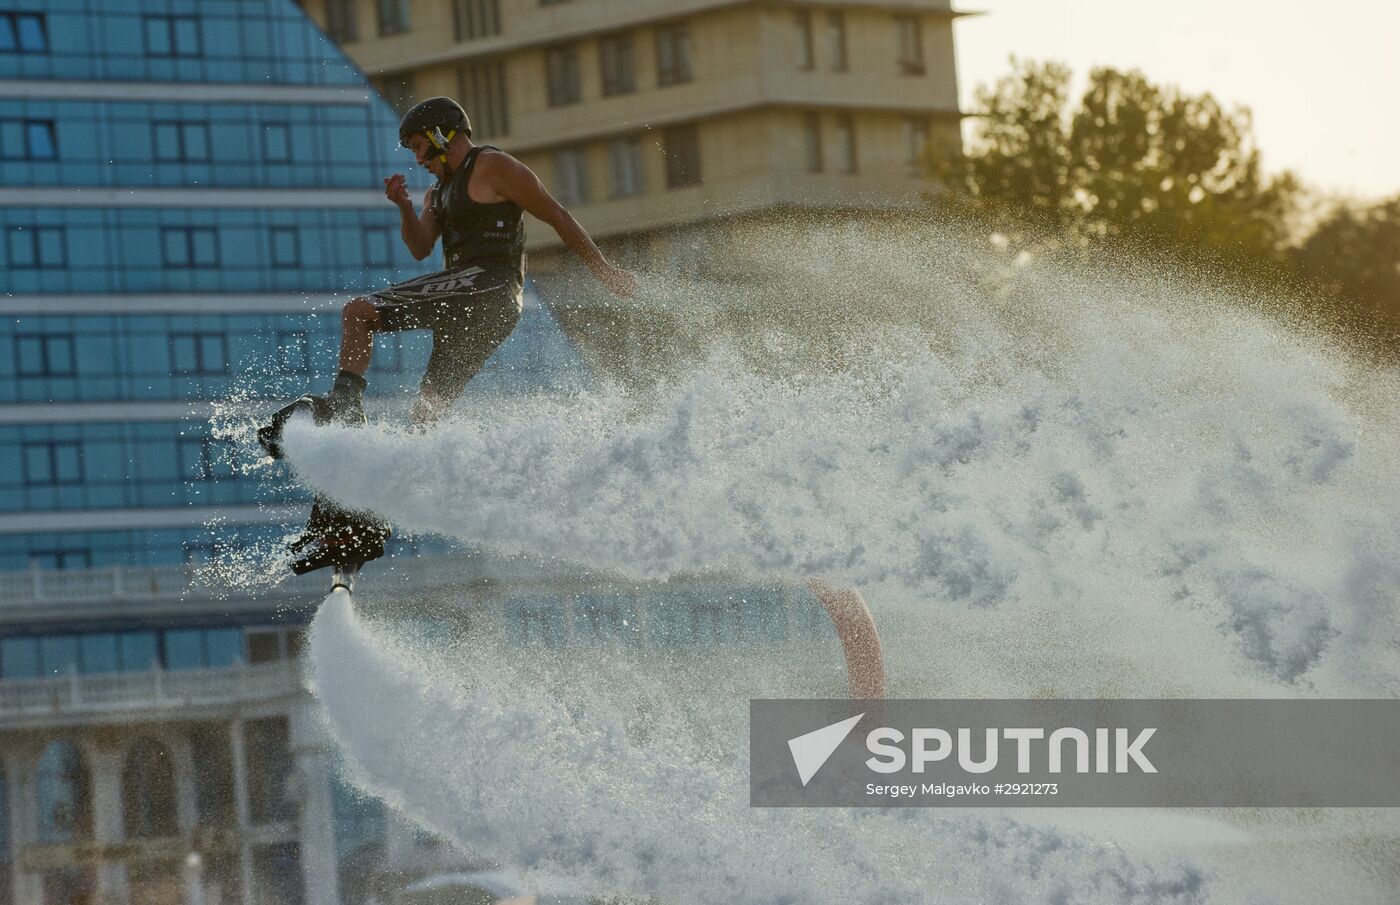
1355,255
1131,162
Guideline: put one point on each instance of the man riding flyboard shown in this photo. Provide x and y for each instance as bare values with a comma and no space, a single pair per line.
471,306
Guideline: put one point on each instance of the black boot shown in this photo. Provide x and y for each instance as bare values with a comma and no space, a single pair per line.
347,399
344,404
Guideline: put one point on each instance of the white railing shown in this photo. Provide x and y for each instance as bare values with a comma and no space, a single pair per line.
39,587
75,694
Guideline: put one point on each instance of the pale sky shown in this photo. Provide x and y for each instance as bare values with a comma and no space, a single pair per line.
1322,78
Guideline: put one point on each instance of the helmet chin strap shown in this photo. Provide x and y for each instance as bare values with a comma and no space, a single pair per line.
441,143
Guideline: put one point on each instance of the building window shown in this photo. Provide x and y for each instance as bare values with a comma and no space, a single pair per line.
812,135
293,352
277,143
172,36
476,19
388,353
37,247
286,246
342,20
198,354
617,60
625,164
27,139
571,175
482,87
45,355
148,792
269,758
673,55
377,247
836,39
916,136
52,464
846,144
397,90
23,33
806,48
189,246
180,141
682,145
393,16
910,36
205,459
562,75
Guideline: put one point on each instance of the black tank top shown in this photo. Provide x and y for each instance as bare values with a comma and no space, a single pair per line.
491,236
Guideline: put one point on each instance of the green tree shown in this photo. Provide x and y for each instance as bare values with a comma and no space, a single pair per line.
1354,255
1132,162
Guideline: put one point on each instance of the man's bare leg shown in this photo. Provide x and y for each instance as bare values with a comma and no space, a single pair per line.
358,321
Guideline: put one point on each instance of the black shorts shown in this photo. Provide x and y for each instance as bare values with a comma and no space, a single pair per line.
470,311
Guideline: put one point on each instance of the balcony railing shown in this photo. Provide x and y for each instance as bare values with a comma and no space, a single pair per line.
58,588
86,695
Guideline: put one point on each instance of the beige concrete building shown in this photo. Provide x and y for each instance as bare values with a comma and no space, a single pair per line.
647,115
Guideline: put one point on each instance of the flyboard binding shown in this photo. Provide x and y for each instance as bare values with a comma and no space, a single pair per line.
335,537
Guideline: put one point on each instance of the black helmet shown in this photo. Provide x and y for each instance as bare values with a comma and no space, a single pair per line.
439,118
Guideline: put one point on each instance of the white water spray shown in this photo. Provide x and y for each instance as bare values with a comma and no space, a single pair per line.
1045,481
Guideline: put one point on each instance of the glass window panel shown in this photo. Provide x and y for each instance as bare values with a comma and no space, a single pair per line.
293,352
175,247
284,246
38,464
263,647
812,135
166,139
196,141
51,249
23,251
186,36
157,36
204,246
184,649
277,144
39,140
377,247
807,57
30,353
58,655
7,34
19,658
99,653
213,359
67,463
13,144
138,650
192,459
182,353
220,456
58,351
225,646
33,37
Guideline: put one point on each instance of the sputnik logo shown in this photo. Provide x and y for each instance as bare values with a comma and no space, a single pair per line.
811,751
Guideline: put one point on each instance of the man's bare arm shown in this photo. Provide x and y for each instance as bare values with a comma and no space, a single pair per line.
419,233
516,182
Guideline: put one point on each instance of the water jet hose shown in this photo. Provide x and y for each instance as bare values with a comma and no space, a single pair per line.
855,627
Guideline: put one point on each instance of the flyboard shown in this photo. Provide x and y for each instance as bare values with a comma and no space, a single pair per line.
336,538
344,541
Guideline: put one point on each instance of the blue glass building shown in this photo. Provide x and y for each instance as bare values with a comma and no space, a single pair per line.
189,191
